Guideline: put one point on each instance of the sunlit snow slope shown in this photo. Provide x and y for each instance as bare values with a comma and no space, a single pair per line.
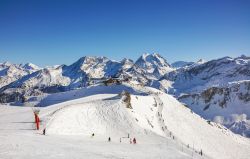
153,113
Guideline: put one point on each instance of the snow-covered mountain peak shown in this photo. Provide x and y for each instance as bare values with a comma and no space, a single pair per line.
201,61
90,60
244,57
145,55
154,58
31,66
150,62
7,63
97,67
87,59
126,60
127,63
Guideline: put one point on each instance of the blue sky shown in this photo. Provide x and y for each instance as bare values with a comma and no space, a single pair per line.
51,32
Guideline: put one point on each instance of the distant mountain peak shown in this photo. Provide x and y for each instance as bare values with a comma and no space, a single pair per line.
6,63
201,61
31,66
149,62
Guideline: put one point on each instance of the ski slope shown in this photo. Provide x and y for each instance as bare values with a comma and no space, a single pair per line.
20,140
162,126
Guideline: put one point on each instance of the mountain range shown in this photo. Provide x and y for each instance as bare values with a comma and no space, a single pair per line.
218,90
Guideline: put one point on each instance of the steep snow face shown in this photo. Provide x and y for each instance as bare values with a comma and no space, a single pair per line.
150,62
152,113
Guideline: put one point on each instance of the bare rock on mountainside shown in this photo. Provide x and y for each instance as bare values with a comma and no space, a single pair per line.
126,97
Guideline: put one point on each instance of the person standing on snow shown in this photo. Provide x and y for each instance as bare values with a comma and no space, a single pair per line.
134,141
44,131
109,139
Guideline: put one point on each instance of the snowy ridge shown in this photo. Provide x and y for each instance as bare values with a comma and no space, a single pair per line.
154,113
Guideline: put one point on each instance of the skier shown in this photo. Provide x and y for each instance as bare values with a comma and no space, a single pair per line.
93,135
109,139
44,131
134,141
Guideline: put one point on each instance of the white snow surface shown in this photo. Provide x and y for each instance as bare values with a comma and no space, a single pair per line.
155,118
69,126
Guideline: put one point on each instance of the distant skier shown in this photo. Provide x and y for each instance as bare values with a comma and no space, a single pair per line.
134,141
93,135
44,131
109,139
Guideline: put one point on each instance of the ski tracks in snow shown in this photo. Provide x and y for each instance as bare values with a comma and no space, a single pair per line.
161,121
